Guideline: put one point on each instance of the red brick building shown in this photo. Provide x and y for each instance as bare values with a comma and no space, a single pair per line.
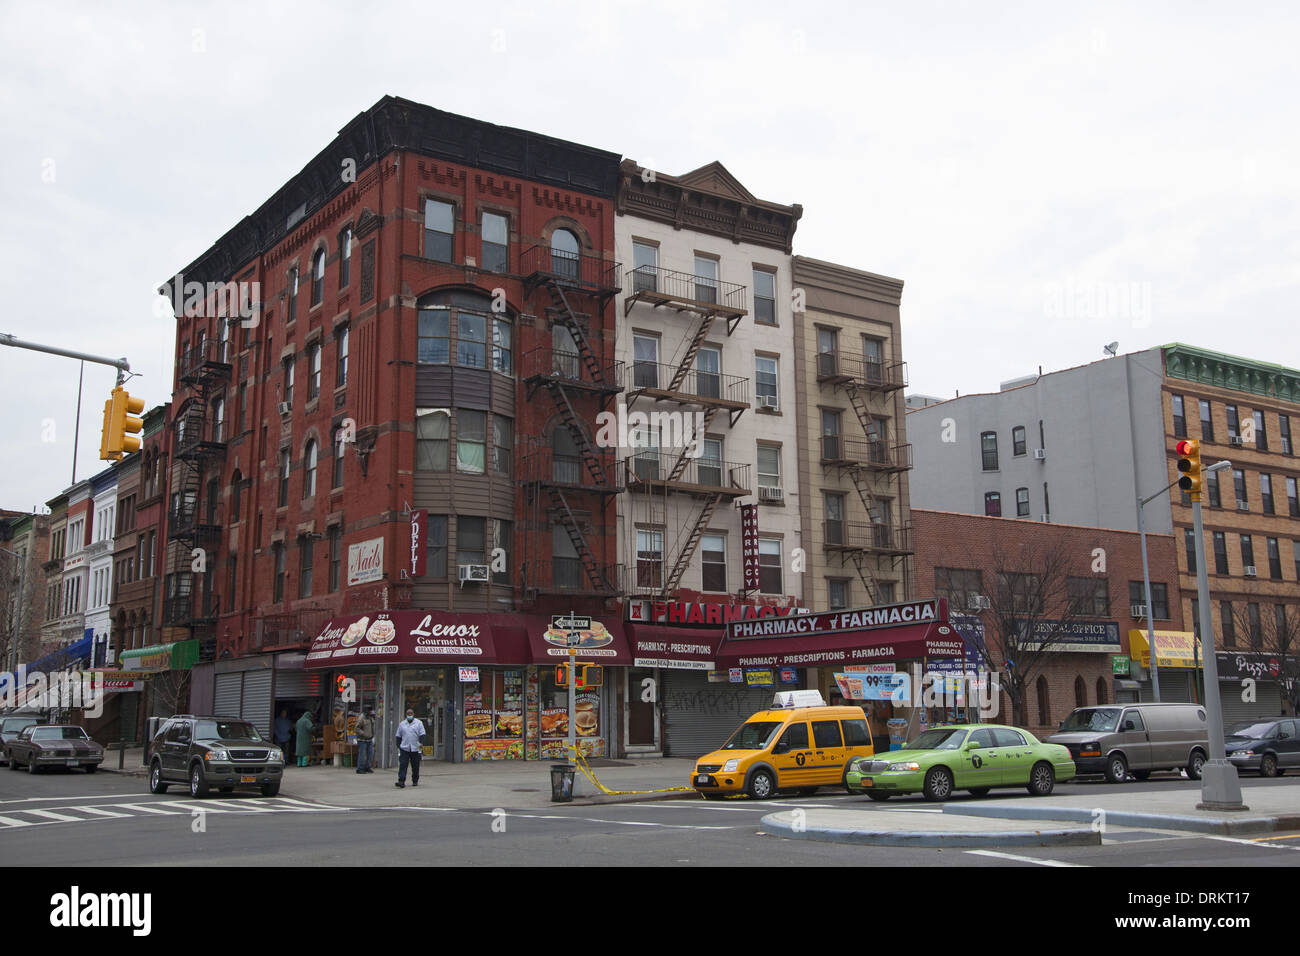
959,558
418,324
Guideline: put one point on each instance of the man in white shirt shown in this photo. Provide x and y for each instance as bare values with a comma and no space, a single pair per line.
410,738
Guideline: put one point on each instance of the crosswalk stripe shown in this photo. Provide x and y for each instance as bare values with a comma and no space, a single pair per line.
98,811
55,815
145,808
11,822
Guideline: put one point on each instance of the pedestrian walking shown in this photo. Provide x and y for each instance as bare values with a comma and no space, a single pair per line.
283,733
304,727
410,738
366,741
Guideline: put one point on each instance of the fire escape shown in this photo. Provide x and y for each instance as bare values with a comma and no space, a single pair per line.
696,473
194,519
866,462
561,483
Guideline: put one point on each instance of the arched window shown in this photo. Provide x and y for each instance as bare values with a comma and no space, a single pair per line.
564,253
309,470
1101,690
318,277
1080,692
1044,703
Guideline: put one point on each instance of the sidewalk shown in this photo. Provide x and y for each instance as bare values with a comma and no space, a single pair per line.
483,784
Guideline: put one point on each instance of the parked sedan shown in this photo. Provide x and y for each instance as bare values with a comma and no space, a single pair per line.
974,757
10,728
1271,747
54,745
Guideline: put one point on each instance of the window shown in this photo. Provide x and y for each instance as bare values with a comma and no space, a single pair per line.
340,447
341,368
336,556
496,243
708,366
794,738
434,336
1266,493
235,494
885,589
769,565
1180,421
764,297
503,445
1080,692
1089,597
432,431
827,352
1207,424
1159,598
645,361
291,308
345,257
501,350
1022,593
706,279
834,502
305,557
837,594
565,254
826,733
645,267
993,504
1220,553
439,230
1256,633
713,563
1212,483
649,559
277,550
470,540
1292,500
989,450
309,470
1239,483
1247,551
765,382
1284,429
1018,441
873,359
1295,547
1234,426
708,467
288,380
1279,620
313,372
1274,559
471,441
1227,625
1261,434
317,277
831,449
471,346
1189,544
284,477
436,549
769,466
959,586
1022,502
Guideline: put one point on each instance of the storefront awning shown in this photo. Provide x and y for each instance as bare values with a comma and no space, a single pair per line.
413,637
601,643
176,656
1173,648
907,642
675,648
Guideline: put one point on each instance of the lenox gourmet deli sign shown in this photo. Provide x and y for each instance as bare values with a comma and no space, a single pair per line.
834,622
402,637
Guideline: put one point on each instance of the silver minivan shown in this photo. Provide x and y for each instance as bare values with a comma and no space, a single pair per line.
1122,739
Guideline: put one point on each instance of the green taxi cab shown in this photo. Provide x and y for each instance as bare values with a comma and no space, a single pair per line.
973,757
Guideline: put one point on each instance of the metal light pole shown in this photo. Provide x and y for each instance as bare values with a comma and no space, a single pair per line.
1220,786
1146,580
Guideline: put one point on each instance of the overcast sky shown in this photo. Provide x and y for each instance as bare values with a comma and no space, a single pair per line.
1045,180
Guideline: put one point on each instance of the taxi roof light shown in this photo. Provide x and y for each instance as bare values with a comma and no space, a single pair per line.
798,698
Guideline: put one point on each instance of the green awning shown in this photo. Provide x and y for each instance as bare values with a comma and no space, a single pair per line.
177,656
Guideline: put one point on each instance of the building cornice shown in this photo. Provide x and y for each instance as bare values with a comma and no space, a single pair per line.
838,278
1230,372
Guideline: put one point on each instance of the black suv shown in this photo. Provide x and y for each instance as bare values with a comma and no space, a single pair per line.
221,752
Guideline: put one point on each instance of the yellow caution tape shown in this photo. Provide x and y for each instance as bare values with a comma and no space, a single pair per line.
587,772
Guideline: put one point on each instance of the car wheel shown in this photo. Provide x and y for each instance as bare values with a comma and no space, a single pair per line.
1116,769
31,763
1268,766
938,784
1141,774
271,789
980,791
156,784
1195,764
1042,779
198,786
762,786
879,797
13,764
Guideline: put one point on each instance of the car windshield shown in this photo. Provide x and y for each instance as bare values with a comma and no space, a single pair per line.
946,738
12,725
225,730
1098,718
753,736
58,733
1252,731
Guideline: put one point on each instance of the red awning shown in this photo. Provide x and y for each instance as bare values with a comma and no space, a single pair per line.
406,637
603,643
887,644
676,648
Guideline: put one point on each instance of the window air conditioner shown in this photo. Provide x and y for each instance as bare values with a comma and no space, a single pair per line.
1138,610
1243,504
767,493
474,573
1040,454
979,602
285,408
1235,440
768,401
1249,570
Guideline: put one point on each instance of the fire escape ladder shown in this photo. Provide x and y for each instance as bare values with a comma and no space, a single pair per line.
580,439
570,321
858,400
684,458
576,537
868,575
692,349
674,578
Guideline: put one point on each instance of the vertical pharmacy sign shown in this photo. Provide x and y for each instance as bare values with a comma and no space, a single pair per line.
749,541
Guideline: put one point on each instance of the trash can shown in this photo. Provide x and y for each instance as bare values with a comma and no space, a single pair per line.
562,782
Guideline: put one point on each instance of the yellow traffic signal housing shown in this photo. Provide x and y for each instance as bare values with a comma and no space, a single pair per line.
1189,464
589,676
562,675
121,425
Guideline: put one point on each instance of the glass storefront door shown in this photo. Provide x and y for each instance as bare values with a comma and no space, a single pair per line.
430,694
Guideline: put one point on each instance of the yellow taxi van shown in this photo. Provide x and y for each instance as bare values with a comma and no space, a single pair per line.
799,744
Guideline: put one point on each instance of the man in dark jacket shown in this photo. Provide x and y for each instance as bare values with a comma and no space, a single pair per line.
365,731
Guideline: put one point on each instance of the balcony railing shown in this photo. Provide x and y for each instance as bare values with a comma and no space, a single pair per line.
549,467
570,368
861,370
863,536
559,575
875,455
205,523
647,469
702,293
708,387
588,273
211,359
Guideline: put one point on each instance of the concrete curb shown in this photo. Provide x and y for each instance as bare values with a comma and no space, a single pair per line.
1122,818
927,838
479,804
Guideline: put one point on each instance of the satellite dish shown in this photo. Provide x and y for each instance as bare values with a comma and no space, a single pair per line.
1111,349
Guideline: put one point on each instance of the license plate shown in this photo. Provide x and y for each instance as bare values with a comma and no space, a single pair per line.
248,780
702,778
72,761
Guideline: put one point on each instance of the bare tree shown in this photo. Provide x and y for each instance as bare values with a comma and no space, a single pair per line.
169,688
21,615
1277,635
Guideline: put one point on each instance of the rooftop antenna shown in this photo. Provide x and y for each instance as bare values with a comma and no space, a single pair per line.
1110,350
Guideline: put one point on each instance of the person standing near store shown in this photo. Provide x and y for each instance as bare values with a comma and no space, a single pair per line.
304,728
366,741
283,733
410,738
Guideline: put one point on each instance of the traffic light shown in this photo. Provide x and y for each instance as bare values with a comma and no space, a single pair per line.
120,425
1189,463
562,675
589,676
